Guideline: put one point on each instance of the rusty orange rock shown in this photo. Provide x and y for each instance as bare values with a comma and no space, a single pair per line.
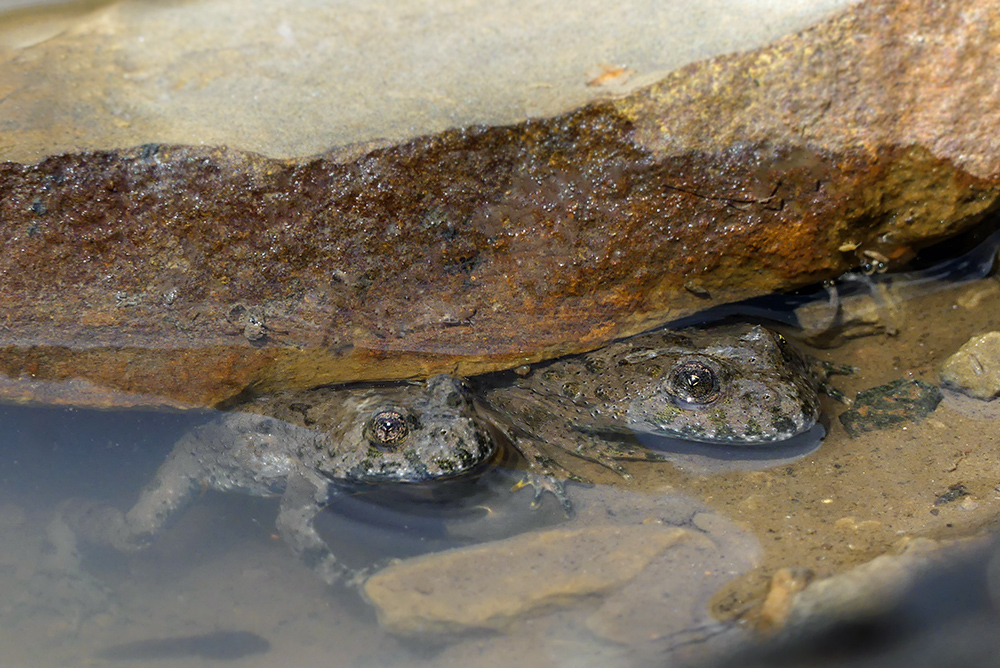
193,273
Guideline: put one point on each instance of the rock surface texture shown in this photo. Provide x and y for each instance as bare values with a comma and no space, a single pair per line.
975,368
191,273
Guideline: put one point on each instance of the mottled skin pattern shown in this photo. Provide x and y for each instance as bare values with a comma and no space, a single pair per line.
294,444
737,385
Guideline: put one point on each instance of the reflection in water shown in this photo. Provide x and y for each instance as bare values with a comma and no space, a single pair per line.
707,458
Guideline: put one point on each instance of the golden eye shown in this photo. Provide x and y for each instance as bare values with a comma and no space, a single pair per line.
388,428
695,382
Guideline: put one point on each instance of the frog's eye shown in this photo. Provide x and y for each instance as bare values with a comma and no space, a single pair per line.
695,382
387,428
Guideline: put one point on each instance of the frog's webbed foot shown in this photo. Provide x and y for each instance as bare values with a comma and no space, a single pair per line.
163,499
544,474
305,495
596,449
542,483
828,369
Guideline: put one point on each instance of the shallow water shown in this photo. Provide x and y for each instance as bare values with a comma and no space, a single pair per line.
220,584
696,458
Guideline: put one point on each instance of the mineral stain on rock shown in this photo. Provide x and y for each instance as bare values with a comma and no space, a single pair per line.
487,247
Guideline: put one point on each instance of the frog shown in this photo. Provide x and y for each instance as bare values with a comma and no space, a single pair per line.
304,446
739,384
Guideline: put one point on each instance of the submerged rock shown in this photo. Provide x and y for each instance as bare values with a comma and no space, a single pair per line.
192,273
890,404
488,586
634,569
975,368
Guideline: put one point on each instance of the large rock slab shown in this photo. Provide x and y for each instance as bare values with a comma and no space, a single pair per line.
864,137
489,586
634,569
296,77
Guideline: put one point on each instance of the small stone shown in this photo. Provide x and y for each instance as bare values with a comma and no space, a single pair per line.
971,299
890,404
968,503
954,493
852,524
975,368
488,586
785,584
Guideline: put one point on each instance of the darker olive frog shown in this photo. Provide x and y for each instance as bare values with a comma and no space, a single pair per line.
740,385
295,444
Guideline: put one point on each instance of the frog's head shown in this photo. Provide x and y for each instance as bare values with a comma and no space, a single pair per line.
412,432
740,385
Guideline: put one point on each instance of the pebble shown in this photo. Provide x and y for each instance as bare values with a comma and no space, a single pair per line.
785,585
889,405
975,368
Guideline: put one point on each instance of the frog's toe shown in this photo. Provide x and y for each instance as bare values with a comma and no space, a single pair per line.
837,395
542,483
604,454
607,461
826,387
831,369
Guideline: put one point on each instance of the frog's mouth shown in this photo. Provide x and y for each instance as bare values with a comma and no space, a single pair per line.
719,426
450,487
407,467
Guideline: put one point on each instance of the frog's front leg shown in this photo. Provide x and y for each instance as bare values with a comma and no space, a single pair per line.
535,418
305,496
169,493
544,473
